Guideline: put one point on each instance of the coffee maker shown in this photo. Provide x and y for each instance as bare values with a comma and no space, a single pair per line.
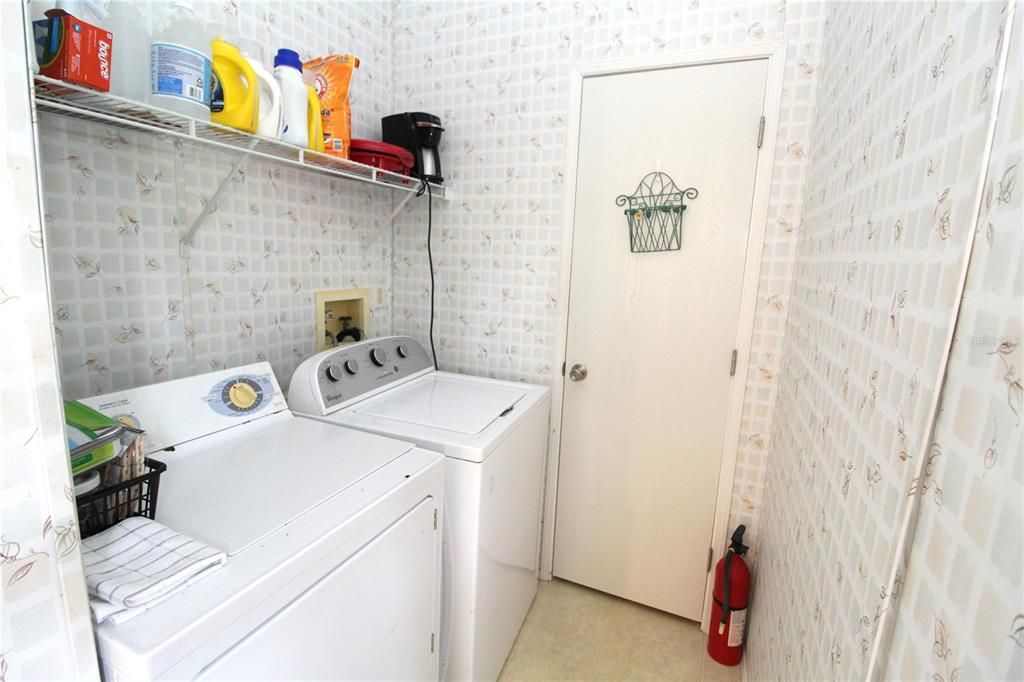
420,133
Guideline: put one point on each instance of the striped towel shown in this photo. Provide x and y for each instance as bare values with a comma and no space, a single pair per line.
138,563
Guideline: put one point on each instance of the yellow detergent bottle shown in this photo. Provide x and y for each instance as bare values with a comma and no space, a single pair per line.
314,121
236,92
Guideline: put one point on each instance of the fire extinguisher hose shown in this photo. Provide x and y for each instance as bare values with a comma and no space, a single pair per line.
726,575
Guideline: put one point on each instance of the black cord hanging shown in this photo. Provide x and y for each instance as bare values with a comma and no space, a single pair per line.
425,187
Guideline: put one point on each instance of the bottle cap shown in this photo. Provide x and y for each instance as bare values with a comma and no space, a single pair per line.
285,57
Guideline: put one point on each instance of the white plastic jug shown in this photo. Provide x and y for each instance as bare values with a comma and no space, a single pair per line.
270,120
181,64
294,97
129,67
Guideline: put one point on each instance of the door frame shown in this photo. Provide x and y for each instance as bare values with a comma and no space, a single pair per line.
775,53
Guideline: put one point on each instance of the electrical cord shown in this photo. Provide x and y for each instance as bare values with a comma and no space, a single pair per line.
425,187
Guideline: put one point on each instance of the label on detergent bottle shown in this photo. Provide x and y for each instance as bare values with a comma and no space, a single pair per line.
217,96
179,71
737,625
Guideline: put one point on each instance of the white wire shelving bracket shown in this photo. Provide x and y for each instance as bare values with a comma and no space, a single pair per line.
99,107
398,209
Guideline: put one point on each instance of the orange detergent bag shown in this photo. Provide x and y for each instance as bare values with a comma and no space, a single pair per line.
330,77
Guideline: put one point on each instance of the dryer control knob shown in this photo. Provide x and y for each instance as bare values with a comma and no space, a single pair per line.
403,350
242,395
351,366
378,356
334,372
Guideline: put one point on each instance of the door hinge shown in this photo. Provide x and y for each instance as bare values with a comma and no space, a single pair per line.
760,134
435,519
563,369
710,553
732,363
431,642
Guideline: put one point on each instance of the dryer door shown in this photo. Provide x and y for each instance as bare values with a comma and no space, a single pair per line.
372,617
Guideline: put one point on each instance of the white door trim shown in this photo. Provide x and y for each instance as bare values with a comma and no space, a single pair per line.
775,53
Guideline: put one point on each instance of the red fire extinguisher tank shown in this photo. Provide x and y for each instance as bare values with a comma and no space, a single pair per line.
728,626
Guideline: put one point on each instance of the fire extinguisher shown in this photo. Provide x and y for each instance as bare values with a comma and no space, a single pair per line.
729,607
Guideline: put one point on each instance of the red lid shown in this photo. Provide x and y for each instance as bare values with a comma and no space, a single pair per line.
375,147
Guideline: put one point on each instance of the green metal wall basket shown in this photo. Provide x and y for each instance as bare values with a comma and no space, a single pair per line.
654,212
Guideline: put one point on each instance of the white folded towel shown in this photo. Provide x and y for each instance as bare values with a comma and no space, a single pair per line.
139,563
103,611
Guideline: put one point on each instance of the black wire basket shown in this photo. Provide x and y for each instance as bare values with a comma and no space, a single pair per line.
103,508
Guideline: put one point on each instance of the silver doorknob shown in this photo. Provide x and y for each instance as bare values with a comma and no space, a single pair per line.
578,373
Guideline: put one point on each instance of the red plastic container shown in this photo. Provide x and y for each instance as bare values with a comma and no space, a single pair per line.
381,155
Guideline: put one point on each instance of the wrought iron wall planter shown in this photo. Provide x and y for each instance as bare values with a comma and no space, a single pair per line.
654,212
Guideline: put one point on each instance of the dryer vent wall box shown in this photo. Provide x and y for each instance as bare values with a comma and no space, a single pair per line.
493,435
334,555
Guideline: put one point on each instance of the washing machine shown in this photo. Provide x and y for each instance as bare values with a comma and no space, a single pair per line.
333,538
493,435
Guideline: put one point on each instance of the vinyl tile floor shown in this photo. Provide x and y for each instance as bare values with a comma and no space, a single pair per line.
575,633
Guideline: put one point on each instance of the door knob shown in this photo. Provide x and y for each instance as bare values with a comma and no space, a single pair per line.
578,373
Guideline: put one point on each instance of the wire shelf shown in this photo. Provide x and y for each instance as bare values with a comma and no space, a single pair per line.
100,107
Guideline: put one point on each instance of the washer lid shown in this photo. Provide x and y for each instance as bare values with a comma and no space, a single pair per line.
445,402
235,487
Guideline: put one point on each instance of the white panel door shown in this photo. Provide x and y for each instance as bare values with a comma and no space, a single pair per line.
642,434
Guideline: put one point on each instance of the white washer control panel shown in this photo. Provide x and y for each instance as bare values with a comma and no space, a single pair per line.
354,371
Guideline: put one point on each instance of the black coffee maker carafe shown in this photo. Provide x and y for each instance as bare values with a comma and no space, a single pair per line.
420,133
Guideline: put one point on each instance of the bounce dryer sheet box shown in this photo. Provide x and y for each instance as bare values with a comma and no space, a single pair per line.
75,51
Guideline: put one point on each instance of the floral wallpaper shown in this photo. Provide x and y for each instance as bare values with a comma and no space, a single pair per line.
897,151
132,308
961,613
45,631
497,73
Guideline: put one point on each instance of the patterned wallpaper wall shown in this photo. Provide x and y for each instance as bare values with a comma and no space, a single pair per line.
497,73
129,310
45,631
961,612
904,102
